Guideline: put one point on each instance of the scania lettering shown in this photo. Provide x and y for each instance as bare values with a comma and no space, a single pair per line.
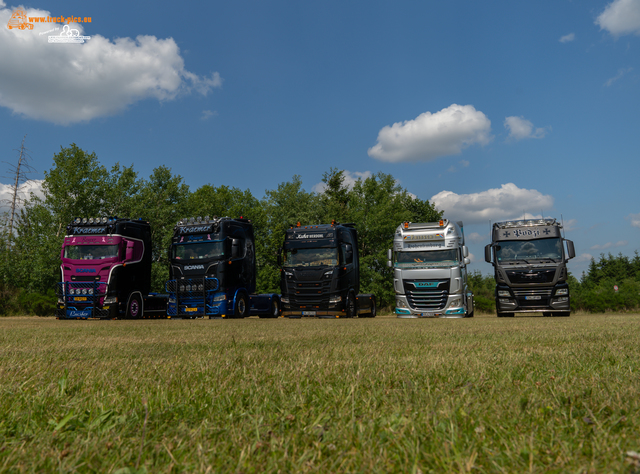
530,267
213,271
429,262
106,271
320,273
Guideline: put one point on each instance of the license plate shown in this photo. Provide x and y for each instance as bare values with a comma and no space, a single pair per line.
308,313
191,310
531,298
80,298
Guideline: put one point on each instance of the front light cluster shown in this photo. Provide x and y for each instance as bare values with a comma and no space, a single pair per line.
284,299
194,287
455,302
220,297
81,291
504,293
335,299
562,291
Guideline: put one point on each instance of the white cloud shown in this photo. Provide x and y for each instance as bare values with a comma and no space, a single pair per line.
609,245
583,257
520,128
620,17
476,238
621,72
570,225
635,220
350,178
567,38
430,136
207,114
28,187
69,83
506,202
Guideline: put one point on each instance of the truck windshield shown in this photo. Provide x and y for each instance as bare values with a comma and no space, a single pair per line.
325,257
198,250
90,252
513,250
427,257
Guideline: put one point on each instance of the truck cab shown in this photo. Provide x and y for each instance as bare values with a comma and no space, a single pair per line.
213,271
106,270
429,262
529,260
320,273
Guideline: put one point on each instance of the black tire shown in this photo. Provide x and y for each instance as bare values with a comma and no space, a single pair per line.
350,306
274,311
471,314
241,309
374,308
134,307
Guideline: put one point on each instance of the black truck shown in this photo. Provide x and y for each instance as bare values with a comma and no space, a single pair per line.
213,271
320,274
106,271
530,266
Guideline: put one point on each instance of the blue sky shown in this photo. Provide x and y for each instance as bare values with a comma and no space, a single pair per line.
488,109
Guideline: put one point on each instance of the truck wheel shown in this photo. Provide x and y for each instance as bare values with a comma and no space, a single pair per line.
350,307
374,309
242,306
274,311
134,307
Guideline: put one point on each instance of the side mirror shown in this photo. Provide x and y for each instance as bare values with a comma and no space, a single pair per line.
465,251
467,261
571,250
235,248
348,252
129,252
487,253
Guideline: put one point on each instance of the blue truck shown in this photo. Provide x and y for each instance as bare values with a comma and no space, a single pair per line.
213,271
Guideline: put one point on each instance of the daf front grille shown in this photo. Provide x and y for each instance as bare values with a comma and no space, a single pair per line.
427,295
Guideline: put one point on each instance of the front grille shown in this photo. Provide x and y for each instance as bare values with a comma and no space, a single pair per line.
310,293
194,296
82,296
536,297
534,276
427,295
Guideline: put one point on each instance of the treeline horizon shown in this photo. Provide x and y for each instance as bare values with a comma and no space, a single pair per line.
77,185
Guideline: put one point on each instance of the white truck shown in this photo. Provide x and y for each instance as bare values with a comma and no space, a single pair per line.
429,262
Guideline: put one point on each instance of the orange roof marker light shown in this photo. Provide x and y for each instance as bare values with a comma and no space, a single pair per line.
298,224
406,225
441,222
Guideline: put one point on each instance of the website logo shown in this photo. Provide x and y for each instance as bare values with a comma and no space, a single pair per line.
19,21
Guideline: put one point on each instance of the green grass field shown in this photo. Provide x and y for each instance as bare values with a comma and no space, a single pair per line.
366,395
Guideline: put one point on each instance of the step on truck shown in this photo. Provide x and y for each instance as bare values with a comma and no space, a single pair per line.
106,271
320,273
530,267
429,262
213,271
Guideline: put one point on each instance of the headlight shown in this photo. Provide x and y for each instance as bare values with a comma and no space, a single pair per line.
563,299
335,299
284,299
181,288
110,300
400,304
220,297
72,291
90,291
455,302
504,300
328,274
84,291
562,291
504,293
200,287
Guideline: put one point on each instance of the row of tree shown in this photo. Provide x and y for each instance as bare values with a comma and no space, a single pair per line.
79,186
